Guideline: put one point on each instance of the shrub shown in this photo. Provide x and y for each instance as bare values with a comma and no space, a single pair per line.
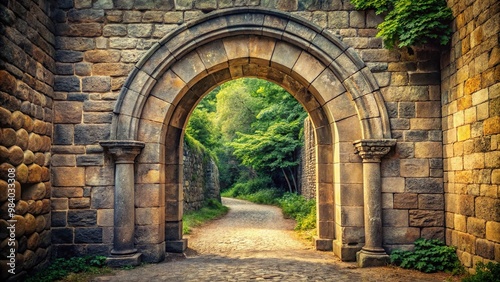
489,272
428,256
299,208
265,196
249,187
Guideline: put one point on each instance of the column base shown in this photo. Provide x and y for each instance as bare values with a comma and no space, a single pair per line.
346,252
124,260
323,244
178,246
372,258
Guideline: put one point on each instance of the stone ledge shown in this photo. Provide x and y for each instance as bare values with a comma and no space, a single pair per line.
124,260
323,244
178,246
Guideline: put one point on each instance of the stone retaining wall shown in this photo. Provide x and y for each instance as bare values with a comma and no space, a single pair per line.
471,125
26,98
201,178
307,169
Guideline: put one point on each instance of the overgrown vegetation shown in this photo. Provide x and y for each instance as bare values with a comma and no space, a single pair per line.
213,209
485,272
255,128
299,208
410,23
62,268
428,256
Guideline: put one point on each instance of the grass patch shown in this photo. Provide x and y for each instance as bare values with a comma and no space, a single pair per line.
213,209
485,272
72,269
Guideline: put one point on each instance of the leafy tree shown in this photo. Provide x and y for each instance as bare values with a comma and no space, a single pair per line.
254,128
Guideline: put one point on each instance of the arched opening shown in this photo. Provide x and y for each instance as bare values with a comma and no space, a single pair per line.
335,87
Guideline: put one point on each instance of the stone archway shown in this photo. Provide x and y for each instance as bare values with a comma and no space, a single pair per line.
328,78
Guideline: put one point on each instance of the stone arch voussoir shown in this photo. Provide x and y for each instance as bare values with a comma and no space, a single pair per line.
330,80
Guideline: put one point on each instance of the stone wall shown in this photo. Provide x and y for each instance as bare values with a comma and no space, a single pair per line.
99,42
26,98
60,80
307,169
201,178
471,125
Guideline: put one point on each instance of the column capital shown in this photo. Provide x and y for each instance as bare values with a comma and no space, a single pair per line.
123,151
372,150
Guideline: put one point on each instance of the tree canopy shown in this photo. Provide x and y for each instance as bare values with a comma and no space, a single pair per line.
254,127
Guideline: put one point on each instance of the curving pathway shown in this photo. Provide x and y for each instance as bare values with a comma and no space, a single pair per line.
255,243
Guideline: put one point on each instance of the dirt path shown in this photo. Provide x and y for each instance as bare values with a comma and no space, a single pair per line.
252,243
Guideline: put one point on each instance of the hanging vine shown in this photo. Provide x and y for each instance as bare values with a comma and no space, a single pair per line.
411,23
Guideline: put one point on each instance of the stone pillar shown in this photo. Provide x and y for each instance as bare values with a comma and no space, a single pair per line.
371,151
124,154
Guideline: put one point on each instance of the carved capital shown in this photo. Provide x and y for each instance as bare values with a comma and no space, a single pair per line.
372,150
123,151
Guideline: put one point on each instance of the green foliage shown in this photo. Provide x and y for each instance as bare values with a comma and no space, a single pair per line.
248,187
271,149
299,208
428,256
410,23
485,272
265,196
212,209
62,267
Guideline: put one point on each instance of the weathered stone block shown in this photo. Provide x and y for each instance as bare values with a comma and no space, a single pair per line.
34,192
424,185
421,218
466,205
91,133
431,201
405,201
105,217
493,231
79,203
68,56
111,69
59,218
401,235
476,227
88,235
433,233
62,235
414,167
393,217
66,83
86,15
140,30
102,197
77,218
68,176
488,208
67,112
96,84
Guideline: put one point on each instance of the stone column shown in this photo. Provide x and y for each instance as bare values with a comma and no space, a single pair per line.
371,151
124,154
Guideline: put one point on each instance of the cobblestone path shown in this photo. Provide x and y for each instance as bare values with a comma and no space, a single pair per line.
254,243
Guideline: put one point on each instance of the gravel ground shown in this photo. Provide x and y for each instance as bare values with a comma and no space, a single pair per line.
254,243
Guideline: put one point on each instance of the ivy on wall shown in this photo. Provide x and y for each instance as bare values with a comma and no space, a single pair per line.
411,22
